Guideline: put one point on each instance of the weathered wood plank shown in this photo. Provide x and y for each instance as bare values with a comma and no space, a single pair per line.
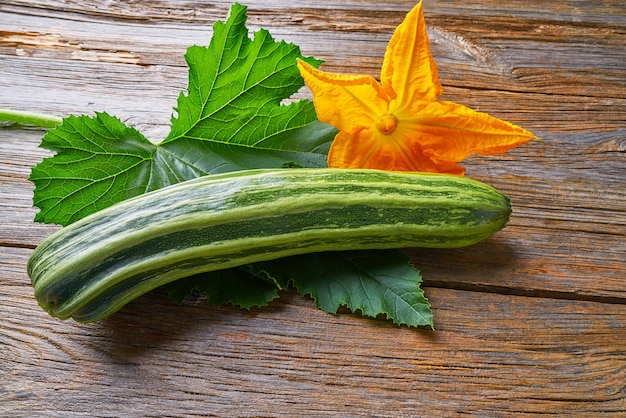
491,354
610,11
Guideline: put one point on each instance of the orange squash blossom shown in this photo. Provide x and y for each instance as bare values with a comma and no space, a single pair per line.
398,123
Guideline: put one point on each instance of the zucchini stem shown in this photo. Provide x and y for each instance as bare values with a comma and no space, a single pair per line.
29,118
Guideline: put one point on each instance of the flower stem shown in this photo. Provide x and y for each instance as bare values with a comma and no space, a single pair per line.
29,118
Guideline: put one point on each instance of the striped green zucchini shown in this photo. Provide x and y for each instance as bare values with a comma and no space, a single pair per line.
93,267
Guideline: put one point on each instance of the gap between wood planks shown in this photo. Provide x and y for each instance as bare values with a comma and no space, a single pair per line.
503,290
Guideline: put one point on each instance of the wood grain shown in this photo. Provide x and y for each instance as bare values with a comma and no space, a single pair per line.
490,354
531,321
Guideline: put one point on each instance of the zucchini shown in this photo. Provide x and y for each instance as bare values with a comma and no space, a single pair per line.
93,267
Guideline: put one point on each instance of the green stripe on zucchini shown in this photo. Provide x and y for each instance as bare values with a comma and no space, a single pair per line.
91,268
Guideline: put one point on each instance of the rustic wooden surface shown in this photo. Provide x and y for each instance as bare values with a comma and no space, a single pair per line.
532,321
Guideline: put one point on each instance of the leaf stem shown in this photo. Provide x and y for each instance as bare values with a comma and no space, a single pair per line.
29,118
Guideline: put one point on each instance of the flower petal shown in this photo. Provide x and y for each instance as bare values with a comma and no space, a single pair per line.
369,148
348,102
398,124
409,71
451,132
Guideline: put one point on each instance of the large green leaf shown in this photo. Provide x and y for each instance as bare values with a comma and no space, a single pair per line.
98,162
235,286
372,282
230,119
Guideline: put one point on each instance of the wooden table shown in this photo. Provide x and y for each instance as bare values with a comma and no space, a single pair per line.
531,321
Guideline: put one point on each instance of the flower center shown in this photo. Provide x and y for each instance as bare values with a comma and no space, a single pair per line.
386,123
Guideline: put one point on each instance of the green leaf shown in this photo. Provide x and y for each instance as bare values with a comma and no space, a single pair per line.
234,286
231,118
306,147
372,282
233,105
98,162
